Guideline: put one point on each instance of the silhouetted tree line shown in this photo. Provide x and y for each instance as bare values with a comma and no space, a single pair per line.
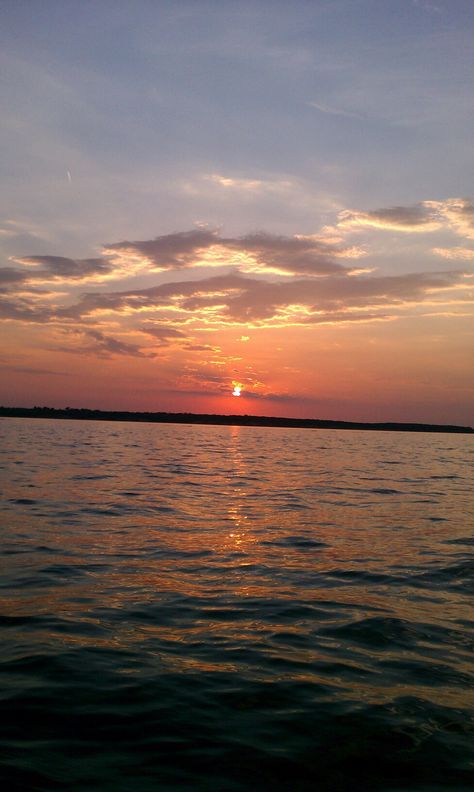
80,413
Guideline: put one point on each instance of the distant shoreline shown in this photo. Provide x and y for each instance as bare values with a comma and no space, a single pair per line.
70,413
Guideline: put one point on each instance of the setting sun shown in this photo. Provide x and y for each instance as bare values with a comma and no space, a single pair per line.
237,389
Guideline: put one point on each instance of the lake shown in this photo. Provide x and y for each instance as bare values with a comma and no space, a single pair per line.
232,608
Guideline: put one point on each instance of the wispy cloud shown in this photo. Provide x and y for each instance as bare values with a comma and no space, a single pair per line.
250,185
458,213
87,341
46,269
427,6
334,111
23,309
455,253
164,334
34,371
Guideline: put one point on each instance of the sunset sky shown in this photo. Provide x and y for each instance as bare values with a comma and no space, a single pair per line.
201,197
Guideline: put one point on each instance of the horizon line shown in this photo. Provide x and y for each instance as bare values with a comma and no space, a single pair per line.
87,413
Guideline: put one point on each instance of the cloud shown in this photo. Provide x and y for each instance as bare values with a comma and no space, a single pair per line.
94,342
411,219
237,299
456,214
258,252
9,275
165,295
202,348
260,280
23,309
164,333
236,183
41,269
239,184
455,253
287,255
60,269
334,111
168,252
425,6
203,381
166,336
25,231
311,255
307,300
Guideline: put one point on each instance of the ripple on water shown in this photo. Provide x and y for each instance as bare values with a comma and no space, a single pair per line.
202,608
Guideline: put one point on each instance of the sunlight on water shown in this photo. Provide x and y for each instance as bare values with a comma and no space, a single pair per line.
190,607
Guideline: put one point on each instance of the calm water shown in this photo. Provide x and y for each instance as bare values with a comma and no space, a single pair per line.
203,608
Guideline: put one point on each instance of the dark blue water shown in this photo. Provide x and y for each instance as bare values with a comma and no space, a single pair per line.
203,608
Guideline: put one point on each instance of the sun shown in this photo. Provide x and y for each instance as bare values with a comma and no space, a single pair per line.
237,389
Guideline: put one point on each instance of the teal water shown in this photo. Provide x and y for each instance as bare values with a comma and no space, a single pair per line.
203,608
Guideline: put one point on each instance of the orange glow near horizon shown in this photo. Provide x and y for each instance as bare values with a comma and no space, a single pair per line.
357,373
307,335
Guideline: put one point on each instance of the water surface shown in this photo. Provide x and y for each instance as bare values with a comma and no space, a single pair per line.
232,608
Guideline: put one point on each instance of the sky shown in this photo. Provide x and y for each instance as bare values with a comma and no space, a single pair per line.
204,198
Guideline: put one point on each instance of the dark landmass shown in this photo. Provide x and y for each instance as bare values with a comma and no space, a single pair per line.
221,420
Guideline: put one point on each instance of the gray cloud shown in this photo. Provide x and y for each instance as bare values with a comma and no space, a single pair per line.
201,348
404,216
243,299
456,214
23,309
155,296
40,270
164,333
97,343
171,251
294,255
333,294
421,217
60,268
9,275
